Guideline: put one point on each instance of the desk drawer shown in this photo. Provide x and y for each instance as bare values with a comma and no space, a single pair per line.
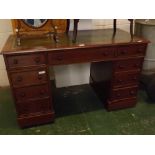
28,78
129,64
33,107
125,78
33,92
121,93
80,55
119,104
126,51
26,60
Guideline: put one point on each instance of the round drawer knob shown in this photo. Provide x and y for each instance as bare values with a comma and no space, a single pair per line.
135,78
121,67
132,92
140,50
136,65
40,77
119,80
37,59
123,52
59,58
22,94
105,53
118,94
15,61
42,92
19,79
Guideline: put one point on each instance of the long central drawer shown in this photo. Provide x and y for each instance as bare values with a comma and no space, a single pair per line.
80,55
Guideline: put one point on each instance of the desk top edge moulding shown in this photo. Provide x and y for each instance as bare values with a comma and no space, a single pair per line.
116,59
85,39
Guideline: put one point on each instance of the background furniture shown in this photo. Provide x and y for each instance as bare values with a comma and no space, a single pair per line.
116,63
146,29
75,28
50,28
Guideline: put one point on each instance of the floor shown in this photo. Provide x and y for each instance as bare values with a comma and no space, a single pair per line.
80,112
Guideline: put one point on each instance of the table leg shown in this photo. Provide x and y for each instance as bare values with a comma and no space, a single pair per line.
131,27
114,25
68,26
75,29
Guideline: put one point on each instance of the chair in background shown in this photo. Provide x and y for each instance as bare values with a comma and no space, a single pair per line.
75,28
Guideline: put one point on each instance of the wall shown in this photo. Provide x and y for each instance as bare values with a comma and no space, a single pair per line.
5,30
66,75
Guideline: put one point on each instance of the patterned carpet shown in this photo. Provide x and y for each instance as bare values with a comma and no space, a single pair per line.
79,111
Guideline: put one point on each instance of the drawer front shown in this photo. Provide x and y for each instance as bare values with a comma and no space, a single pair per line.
80,55
26,60
34,107
129,92
33,92
28,78
125,51
119,104
130,64
125,78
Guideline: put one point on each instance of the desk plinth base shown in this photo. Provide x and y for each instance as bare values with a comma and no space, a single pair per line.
111,104
33,120
112,96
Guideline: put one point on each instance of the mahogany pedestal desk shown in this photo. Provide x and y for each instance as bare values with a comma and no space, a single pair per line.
116,63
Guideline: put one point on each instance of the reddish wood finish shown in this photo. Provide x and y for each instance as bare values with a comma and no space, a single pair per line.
121,104
126,51
38,119
15,61
81,55
126,78
116,64
30,107
25,93
29,77
128,64
126,92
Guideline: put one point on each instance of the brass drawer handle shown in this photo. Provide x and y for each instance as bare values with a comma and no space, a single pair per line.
19,79
37,59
